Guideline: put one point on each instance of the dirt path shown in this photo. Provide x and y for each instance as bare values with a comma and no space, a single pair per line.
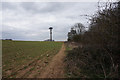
40,69
55,69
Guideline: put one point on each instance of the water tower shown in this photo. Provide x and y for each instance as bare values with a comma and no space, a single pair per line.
50,33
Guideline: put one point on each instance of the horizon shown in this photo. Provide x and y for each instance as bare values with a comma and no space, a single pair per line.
32,40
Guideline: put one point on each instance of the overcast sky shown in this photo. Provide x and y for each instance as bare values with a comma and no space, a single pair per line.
31,20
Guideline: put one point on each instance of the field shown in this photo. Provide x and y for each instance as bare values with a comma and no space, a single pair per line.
18,56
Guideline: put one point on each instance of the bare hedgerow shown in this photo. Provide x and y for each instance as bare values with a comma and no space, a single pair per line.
99,56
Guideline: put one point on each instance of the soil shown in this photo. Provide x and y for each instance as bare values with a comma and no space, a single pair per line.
45,68
55,68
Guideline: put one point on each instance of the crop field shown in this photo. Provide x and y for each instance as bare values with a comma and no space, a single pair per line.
18,55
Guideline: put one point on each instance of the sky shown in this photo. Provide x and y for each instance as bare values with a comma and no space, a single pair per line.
30,21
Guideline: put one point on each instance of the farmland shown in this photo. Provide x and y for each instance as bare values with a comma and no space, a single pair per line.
20,58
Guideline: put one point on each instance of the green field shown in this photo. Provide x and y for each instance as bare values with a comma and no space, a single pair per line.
16,54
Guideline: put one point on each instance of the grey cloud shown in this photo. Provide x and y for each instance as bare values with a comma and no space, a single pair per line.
9,5
30,21
42,7
17,34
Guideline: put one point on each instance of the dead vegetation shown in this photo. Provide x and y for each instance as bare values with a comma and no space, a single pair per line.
99,55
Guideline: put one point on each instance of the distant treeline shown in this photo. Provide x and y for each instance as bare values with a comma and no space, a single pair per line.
99,56
7,39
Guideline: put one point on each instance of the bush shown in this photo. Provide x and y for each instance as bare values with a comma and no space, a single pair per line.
99,56
92,61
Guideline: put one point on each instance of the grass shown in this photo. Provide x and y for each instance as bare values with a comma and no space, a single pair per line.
15,54
67,48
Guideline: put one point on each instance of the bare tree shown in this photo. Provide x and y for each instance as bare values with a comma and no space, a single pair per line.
80,29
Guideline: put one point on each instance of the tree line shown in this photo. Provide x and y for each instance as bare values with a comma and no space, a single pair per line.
99,57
